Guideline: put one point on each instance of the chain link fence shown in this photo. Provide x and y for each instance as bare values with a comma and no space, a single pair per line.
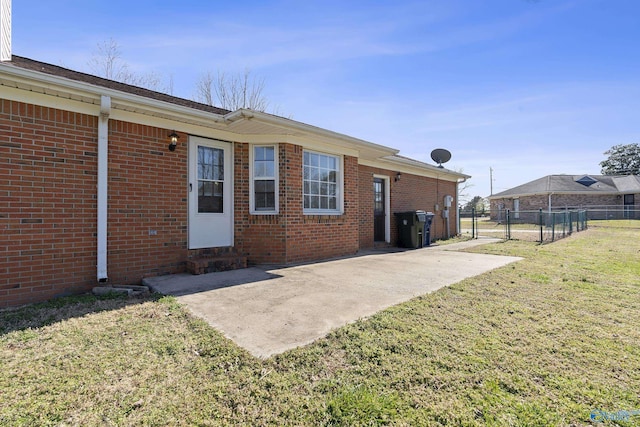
475,223
539,226
614,216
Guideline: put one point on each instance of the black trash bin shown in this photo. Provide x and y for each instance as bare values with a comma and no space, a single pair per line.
411,228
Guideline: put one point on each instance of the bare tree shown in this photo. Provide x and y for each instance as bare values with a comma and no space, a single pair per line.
463,188
204,88
107,62
232,92
170,85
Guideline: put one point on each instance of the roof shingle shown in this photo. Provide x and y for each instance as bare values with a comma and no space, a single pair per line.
43,67
570,184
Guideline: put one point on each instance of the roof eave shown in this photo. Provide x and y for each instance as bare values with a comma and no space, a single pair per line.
238,122
547,193
407,165
90,93
366,149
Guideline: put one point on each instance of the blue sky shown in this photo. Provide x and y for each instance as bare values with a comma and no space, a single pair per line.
528,88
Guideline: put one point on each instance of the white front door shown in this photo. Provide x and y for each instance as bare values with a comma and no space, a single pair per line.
210,193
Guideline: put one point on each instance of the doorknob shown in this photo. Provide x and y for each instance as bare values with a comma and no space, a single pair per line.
190,187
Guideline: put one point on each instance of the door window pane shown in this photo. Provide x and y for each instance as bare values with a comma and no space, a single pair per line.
210,195
210,179
378,196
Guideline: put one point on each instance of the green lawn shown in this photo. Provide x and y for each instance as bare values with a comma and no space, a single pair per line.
544,341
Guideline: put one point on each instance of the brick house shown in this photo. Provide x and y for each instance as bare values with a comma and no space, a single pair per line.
93,190
605,196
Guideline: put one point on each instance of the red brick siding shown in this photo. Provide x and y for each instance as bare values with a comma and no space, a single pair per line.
410,192
48,210
291,236
48,178
147,216
259,237
312,237
561,201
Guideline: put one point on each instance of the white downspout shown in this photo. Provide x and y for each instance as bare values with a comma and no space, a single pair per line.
103,176
5,30
458,204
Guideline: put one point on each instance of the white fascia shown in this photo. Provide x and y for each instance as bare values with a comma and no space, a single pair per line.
89,93
365,149
415,167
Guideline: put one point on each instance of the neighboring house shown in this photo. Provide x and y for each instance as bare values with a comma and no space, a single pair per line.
605,196
92,192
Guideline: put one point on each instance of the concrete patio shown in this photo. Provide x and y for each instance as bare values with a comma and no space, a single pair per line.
271,310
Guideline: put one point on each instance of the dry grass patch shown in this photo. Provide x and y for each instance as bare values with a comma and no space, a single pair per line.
541,342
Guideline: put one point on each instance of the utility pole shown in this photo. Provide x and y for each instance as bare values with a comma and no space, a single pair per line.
491,179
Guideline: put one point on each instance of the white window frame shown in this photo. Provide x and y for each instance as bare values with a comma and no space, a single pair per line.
339,210
252,179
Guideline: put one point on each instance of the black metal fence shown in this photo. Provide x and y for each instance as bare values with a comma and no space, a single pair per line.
539,225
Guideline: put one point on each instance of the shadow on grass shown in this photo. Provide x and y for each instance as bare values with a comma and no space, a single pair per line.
46,313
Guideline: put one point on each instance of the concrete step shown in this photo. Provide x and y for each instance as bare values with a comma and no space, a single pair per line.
213,263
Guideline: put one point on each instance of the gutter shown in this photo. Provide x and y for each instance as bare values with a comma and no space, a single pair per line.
407,165
48,84
284,123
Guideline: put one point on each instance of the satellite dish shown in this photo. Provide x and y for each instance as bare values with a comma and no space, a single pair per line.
440,156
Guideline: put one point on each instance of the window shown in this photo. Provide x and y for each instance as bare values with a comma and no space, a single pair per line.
264,192
210,179
321,183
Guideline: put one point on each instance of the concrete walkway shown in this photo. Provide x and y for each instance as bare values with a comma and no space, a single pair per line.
271,310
